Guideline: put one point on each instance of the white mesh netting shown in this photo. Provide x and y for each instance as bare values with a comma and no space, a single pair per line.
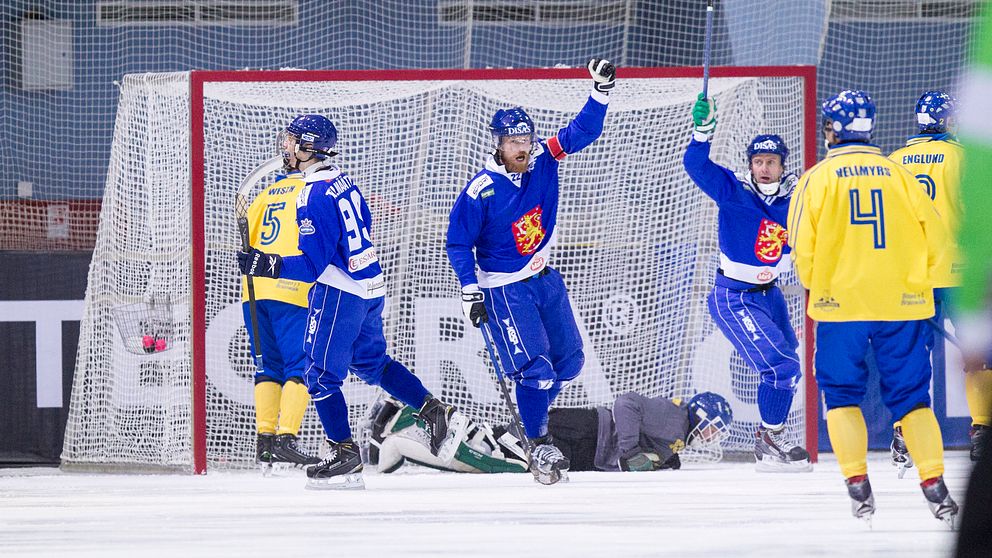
637,246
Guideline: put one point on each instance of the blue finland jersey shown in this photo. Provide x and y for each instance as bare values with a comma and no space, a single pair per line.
335,224
753,238
509,218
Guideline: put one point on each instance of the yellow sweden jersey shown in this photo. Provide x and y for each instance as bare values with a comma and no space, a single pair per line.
865,238
936,162
273,229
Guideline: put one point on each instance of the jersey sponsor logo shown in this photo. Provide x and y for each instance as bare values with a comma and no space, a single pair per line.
375,286
312,326
306,227
301,200
487,193
363,259
826,303
537,264
913,299
511,334
477,185
764,276
772,237
528,232
518,130
748,324
768,144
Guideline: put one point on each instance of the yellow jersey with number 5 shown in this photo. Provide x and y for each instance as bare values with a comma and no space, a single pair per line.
936,162
272,228
865,238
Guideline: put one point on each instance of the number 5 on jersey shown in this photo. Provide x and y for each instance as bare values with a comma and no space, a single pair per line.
875,217
351,213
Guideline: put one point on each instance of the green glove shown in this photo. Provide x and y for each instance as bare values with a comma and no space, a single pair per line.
641,462
704,115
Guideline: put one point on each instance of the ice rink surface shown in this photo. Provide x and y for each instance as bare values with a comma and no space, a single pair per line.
716,510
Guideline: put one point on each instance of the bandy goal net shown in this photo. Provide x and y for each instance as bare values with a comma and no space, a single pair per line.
637,244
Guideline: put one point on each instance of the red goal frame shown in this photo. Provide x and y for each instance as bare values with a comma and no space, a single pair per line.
198,161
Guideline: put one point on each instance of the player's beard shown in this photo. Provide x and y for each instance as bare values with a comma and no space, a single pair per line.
517,162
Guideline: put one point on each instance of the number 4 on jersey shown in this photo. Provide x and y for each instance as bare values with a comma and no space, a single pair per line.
875,217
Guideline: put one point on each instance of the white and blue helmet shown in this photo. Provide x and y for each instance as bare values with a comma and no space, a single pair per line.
850,114
934,111
709,418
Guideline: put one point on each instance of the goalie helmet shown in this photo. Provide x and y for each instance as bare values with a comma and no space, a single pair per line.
709,418
315,134
767,143
512,122
850,114
934,111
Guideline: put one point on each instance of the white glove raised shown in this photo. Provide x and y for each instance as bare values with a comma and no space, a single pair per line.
472,305
604,75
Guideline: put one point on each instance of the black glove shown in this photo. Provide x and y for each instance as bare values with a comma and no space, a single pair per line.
473,307
259,264
604,75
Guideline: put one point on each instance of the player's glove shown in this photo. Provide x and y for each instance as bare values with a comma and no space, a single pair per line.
259,264
704,117
641,462
604,75
473,307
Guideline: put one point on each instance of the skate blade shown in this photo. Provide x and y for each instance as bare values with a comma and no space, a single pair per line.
456,433
771,466
902,469
951,521
554,477
265,468
353,481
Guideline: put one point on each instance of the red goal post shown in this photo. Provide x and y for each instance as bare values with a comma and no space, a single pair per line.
637,270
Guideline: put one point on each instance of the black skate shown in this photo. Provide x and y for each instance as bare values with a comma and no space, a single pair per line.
774,453
445,426
862,500
380,415
900,453
340,469
287,453
263,452
939,499
548,464
979,439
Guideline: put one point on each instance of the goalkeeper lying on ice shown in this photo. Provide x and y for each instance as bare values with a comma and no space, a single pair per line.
639,434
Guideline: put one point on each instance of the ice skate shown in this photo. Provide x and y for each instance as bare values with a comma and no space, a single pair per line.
977,435
862,500
445,425
939,499
382,415
774,453
286,453
263,452
548,465
900,454
340,469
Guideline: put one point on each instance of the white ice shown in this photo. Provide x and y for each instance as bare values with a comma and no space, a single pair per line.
717,510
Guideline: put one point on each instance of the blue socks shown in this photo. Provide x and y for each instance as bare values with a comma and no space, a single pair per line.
333,412
399,382
533,406
774,404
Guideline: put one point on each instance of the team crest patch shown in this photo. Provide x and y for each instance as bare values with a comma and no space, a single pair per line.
528,232
306,227
771,238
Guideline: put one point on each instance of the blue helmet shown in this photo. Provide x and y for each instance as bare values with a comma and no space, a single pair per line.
511,122
850,114
933,111
315,134
767,143
709,416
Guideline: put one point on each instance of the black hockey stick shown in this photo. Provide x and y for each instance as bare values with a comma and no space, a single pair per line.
241,204
507,400
707,48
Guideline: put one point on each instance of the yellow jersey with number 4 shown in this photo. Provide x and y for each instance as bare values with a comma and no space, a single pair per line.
936,162
272,228
865,238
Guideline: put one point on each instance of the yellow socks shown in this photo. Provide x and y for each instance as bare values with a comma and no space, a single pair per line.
849,438
295,399
924,442
267,406
978,390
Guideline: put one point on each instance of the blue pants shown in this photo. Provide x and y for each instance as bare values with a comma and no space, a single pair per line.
280,329
758,326
537,341
344,332
902,354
